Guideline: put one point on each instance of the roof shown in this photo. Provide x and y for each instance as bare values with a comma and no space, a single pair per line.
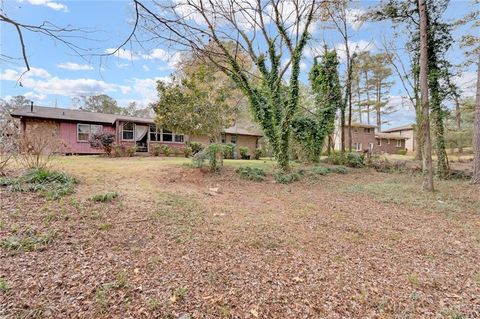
45,112
356,124
400,128
390,136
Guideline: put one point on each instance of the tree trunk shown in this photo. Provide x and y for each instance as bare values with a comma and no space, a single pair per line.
348,95
367,89
378,107
476,132
427,165
359,101
458,120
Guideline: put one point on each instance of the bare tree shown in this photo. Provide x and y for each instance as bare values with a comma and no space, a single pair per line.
427,165
273,34
476,131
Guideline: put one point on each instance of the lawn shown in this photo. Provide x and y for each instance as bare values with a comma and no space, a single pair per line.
149,237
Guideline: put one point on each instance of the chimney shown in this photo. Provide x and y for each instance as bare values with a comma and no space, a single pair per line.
31,106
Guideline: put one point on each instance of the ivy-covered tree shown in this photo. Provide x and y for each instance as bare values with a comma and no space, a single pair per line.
311,128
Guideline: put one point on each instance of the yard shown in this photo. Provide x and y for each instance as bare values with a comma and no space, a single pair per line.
172,245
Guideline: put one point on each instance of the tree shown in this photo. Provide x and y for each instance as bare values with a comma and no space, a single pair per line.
196,104
98,103
221,30
311,128
427,165
476,131
133,109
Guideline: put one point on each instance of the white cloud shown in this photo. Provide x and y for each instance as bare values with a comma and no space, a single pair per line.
42,83
354,18
34,96
123,54
122,65
159,54
147,88
75,66
466,83
145,68
354,47
48,3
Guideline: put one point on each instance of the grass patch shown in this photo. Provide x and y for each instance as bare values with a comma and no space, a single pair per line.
51,184
29,240
4,286
286,178
103,198
251,173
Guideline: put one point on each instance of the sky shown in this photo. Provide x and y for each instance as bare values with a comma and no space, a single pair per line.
59,74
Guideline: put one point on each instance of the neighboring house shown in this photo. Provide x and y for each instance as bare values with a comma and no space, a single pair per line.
364,138
406,131
74,128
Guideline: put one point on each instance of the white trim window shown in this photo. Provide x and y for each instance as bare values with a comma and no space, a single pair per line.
388,141
358,147
233,139
399,143
379,141
370,147
84,131
367,130
128,131
157,134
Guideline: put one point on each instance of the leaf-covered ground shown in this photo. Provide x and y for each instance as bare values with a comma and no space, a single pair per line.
360,245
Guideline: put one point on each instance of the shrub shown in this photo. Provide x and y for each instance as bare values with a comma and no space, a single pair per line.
176,151
118,150
166,150
243,152
103,140
402,152
251,173
187,151
228,151
38,147
196,147
320,170
156,150
213,154
130,151
258,153
104,197
286,177
51,184
355,160
338,169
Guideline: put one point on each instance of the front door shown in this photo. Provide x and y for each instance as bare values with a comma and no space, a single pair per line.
141,137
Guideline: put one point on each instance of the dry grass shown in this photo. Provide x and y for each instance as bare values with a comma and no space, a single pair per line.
360,245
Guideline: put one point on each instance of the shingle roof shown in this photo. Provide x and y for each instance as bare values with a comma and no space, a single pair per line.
356,124
390,136
400,128
45,112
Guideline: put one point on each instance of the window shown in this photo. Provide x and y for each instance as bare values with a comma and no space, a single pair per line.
370,147
367,130
155,133
178,138
379,142
224,139
355,130
233,139
167,136
399,143
127,130
358,146
84,131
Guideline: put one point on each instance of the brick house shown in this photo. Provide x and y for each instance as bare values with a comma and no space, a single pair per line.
74,128
365,138
406,131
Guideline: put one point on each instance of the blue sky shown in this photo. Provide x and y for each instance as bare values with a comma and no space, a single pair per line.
59,74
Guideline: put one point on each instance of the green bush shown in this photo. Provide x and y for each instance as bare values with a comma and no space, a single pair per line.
187,151
355,160
196,147
166,150
257,153
213,154
176,151
51,184
402,152
228,150
320,170
243,152
251,173
338,169
130,151
156,150
104,197
286,178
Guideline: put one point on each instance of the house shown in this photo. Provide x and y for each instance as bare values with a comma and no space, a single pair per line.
407,131
365,138
74,128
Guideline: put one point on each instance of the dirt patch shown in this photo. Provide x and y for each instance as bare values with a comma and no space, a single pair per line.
334,247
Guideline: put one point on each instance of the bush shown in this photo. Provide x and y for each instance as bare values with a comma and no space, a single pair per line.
187,151
228,151
402,152
213,154
286,177
258,153
38,147
118,150
196,147
243,152
51,184
130,151
166,150
176,151
104,197
355,160
251,173
103,140
320,170
156,150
